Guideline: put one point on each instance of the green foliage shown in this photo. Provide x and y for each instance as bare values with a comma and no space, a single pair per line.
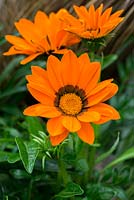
125,156
71,190
28,153
30,168
109,152
102,192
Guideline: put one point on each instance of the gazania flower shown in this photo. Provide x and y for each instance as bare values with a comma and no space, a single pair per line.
44,35
92,23
70,95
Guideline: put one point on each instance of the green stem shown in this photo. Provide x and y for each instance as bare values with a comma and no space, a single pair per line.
63,176
29,190
91,161
90,153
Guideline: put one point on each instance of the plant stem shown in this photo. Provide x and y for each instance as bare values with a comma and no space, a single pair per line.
63,176
90,155
29,190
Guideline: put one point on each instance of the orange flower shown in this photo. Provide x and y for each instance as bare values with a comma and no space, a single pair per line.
44,35
69,93
91,23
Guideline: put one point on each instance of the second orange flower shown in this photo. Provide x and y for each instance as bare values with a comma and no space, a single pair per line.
91,23
43,36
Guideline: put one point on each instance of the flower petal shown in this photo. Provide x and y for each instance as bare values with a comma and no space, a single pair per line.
90,73
30,58
41,21
113,90
55,127
54,72
28,30
103,94
42,111
88,116
55,140
86,133
19,42
39,81
41,97
107,113
100,86
13,50
70,68
71,123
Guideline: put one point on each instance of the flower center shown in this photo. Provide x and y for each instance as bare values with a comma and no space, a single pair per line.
70,104
71,100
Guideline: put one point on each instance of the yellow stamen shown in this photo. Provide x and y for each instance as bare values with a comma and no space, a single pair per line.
70,104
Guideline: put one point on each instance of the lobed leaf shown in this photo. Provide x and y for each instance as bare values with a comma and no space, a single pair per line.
71,190
28,153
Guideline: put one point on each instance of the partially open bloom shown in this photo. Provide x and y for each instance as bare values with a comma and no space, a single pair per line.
44,35
91,23
70,95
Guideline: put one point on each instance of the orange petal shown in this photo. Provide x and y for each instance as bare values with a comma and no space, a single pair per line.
42,111
41,21
103,95
41,97
93,77
30,58
98,14
39,81
19,42
89,72
28,30
100,86
55,140
113,89
105,16
54,72
116,14
107,113
15,50
92,16
12,51
64,38
88,116
86,133
70,68
41,89
84,63
55,127
82,13
71,123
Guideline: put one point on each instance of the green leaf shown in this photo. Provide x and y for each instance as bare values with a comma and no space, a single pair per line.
8,156
105,155
19,174
125,156
71,190
82,165
14,157
34,125
28,153
108,60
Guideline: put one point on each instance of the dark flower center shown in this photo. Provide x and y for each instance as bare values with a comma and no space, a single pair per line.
71,100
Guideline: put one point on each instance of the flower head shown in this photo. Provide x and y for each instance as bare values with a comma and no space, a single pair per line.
44,35
92,23
70,95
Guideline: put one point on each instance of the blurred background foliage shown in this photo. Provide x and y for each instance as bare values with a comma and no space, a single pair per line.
114,181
